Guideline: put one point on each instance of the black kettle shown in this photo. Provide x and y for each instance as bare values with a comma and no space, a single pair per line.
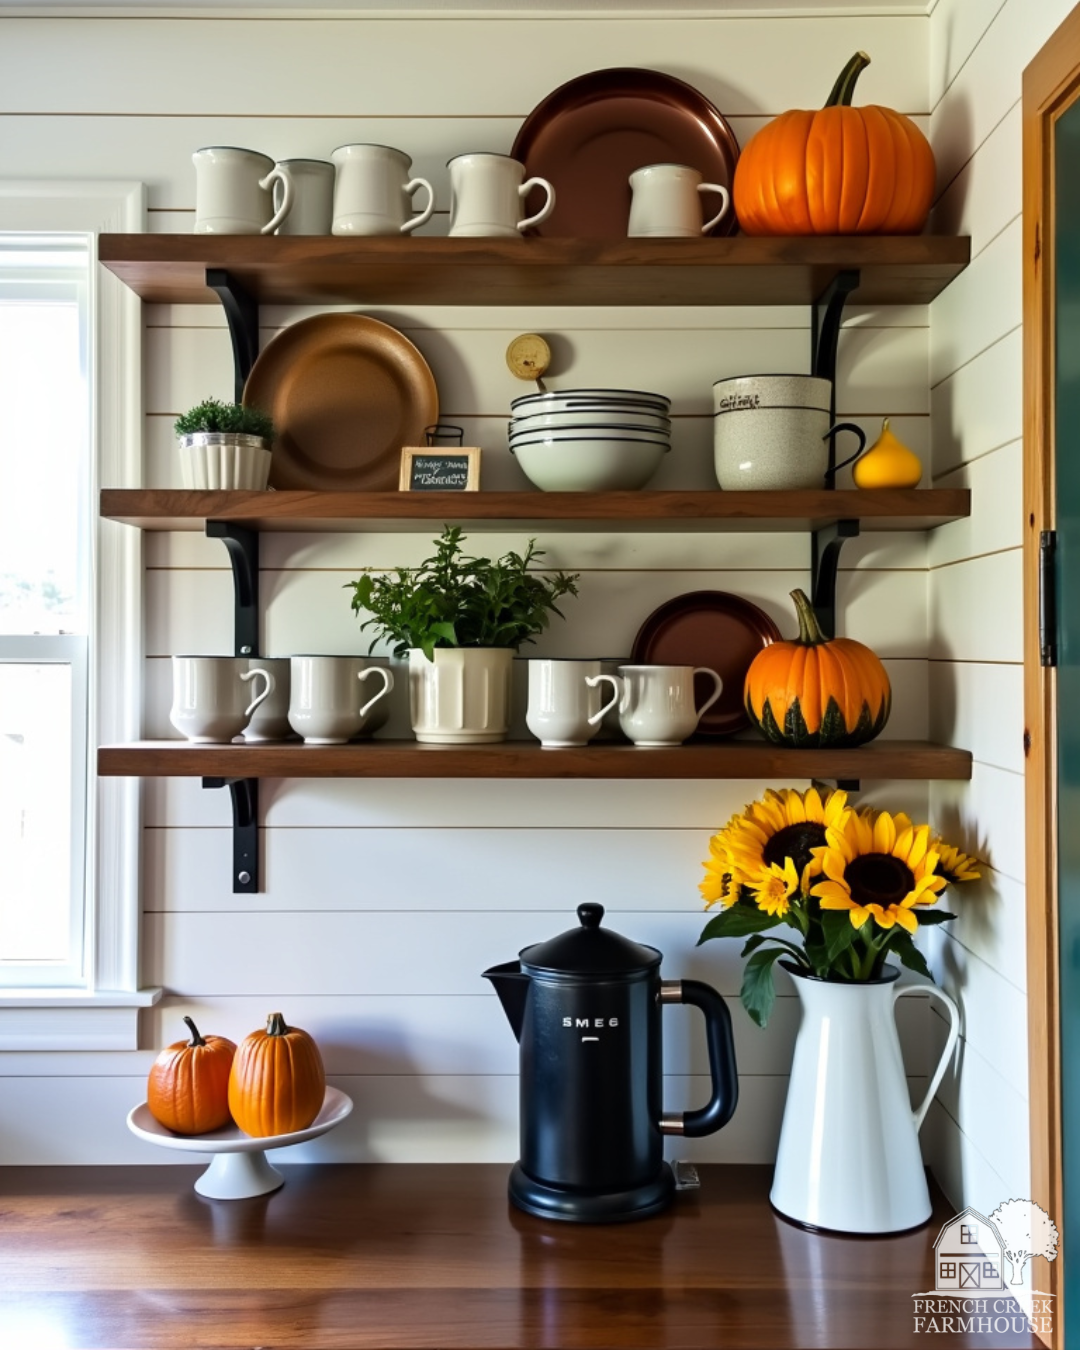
585,1008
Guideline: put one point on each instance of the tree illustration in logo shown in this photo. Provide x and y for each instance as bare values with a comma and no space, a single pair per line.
1026,1230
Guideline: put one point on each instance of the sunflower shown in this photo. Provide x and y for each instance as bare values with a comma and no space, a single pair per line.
775,886
953,865
782,825
881,866
723,881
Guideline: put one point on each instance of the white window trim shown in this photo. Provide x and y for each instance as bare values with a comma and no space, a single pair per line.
103,1015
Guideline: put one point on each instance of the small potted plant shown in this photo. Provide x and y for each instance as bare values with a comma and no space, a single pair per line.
224,445
460,620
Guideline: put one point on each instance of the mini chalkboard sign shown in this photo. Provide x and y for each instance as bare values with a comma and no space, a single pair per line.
440,468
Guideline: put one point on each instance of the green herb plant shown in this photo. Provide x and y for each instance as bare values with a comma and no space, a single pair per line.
213,415
454,600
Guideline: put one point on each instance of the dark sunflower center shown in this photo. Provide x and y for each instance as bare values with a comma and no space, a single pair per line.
878,879
794,842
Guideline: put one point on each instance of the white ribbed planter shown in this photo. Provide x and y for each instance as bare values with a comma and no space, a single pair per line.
224,459
462,697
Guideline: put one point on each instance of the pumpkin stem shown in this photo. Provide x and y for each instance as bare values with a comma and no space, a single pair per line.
844,87
196,1039
810,634
275,1025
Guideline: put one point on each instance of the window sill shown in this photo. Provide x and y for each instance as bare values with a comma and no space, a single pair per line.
58,1019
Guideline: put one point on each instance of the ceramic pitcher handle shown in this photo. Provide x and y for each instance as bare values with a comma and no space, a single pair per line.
954,1030
725,203
277,175
388,684
263,694
425,214
704,670
545,210
859,434
594,682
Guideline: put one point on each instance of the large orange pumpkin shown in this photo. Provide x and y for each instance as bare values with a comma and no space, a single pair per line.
188,1087
277,1082
815,690
839,170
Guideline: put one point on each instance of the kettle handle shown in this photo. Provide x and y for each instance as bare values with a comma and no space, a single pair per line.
719,1109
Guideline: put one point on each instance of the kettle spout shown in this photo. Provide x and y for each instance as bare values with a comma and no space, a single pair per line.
512,987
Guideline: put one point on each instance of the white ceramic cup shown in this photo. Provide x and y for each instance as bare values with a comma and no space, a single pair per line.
313,196
211,699
234,191
666,202
270,720
373,191
657,705
487,193
326,700
564,705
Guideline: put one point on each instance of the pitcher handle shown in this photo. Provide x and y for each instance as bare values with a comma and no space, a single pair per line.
717,691
954,1031
594,682
860,436
277,175
388,684
545,210
265,693
720,1107
415,222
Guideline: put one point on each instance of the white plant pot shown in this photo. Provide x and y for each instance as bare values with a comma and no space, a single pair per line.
462,697
223,460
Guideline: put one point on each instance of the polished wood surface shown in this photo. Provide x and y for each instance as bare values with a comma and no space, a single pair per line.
344,1257
884,509
528,759
171,269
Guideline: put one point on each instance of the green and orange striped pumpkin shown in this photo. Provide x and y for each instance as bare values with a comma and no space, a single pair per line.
816,691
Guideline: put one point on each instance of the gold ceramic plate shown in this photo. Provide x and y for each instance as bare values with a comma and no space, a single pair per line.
346,393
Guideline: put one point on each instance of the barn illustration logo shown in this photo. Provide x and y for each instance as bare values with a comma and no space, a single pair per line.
979,1268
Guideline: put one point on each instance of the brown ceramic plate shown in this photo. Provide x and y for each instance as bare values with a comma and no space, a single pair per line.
714,629
346,393
589,136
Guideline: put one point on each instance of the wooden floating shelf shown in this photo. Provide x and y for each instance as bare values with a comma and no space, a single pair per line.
886,509
171,269
527,759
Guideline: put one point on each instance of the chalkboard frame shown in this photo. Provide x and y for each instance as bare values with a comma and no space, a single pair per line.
411,453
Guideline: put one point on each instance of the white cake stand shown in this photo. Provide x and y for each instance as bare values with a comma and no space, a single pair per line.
239,1168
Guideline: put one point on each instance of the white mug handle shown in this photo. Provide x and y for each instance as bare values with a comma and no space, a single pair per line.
265,694
388,684
277,175
704,670
725,195
954,1031
594,682
545,210
421,219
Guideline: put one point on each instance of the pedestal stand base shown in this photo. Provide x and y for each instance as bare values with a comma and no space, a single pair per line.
238,1176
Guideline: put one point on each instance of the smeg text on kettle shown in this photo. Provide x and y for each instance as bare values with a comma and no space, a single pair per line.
587,1022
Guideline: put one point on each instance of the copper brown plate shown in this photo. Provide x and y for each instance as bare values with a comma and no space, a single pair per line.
346,393
714,629
590,135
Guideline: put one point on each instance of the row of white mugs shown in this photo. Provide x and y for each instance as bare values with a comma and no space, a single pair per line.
329,700
368,190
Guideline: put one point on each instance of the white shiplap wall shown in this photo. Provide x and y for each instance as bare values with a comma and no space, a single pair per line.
978,1129
385,901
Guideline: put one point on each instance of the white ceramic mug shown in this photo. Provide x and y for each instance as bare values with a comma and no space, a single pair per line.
313,196
270,720
373,191
234,191
666,202
486,196
211,700
326,700
657,705
564,701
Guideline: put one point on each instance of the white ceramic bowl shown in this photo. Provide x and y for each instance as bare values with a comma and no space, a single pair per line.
552,400
562,435
589,464
605,417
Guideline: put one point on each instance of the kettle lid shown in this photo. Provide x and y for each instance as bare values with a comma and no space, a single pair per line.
590,950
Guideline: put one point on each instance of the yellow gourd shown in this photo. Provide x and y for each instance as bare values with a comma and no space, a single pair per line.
887,464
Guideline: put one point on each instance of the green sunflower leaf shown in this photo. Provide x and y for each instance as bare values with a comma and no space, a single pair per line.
932,915
739,920
758,992
839,932
902,946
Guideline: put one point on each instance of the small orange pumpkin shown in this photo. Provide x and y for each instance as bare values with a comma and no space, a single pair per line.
277,1082
815,690
188,1087
839,170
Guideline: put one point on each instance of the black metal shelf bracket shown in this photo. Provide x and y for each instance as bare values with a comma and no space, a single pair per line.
245,812
243,546
826,318
825,544
242,316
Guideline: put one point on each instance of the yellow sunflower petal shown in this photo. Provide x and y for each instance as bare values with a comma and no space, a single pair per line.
884,833
858,916
833,895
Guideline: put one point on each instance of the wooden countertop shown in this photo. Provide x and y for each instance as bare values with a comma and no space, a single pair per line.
343,1257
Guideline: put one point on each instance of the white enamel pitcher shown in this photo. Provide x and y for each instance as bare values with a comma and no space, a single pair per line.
849,1159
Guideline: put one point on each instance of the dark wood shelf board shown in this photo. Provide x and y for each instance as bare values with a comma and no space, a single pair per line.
526,759
171,269
892,509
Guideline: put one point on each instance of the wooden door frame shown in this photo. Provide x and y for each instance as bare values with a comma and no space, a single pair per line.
1051,84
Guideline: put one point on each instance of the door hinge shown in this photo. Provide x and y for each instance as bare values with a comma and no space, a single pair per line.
1048,625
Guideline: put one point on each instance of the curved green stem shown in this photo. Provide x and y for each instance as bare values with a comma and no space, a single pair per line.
196,1039
844,87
